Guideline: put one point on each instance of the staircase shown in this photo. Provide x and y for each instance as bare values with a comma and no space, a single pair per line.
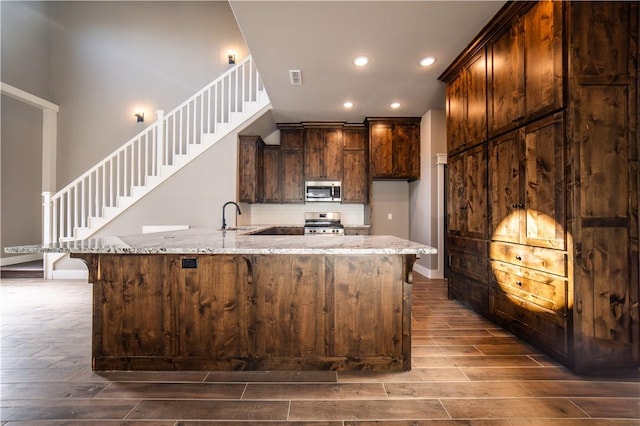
117,182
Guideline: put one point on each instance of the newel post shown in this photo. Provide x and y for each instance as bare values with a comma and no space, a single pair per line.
159,140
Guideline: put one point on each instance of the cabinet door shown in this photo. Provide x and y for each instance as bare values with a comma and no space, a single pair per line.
505,188
323,154
353,138
314,154
292,182
250,169
543,58
475,181
332,157
457,204
213,307
272,174
455,107
476,100
406,150
355,182
543,184
292,138
381,136
506,79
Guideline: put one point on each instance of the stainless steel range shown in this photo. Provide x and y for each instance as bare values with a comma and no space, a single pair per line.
322,223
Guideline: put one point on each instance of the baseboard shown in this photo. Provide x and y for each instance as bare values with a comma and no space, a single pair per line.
70,274
428,273
6,261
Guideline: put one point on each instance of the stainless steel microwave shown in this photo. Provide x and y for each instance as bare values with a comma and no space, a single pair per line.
323,191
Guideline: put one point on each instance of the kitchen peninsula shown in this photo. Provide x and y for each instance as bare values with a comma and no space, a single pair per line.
205,299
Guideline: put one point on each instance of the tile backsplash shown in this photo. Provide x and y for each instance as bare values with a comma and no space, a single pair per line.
293,214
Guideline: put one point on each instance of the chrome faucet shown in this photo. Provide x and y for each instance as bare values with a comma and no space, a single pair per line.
224,222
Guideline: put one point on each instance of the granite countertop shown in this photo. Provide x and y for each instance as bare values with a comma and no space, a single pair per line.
239,241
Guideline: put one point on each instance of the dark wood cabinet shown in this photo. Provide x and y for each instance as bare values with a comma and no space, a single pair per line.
466,105
525,67
560,249
292,180
355,182
394,148
283,173
250,169
468,193
291,164
272,174
526,175
323,151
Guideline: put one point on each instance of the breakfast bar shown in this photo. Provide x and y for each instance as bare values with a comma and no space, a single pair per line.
205,299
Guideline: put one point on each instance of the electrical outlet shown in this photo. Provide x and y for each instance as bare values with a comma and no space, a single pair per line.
389,216
189,263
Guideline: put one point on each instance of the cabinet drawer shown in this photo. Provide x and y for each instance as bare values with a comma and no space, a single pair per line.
469,245
528,322
469,265
546,291
541,259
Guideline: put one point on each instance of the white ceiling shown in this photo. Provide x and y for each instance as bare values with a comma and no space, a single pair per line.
321,38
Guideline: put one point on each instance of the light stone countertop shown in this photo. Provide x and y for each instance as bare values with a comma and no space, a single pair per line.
240,241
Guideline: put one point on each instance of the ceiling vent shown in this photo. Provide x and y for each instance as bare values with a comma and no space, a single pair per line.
295,77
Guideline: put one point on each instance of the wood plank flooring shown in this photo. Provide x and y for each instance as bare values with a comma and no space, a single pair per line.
466,371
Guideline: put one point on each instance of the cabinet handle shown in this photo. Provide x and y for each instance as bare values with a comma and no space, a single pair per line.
518,118
519,283
518,257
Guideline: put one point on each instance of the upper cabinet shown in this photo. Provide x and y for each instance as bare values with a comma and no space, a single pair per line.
355,184
323,151
525,68
290,171
394,148
466,105
250,167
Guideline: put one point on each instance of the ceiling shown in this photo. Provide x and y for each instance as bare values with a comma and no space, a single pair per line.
321,38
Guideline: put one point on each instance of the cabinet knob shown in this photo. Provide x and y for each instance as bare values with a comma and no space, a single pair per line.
519,283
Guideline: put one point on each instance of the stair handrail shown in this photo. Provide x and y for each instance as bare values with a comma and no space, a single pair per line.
145,154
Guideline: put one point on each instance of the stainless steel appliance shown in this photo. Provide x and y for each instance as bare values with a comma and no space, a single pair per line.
323,223
323,191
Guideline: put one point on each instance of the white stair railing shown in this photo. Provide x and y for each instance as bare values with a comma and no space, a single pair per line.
139,164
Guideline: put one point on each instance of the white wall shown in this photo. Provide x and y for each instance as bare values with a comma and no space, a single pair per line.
423,198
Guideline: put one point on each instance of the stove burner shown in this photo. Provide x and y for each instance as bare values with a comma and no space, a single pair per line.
317,223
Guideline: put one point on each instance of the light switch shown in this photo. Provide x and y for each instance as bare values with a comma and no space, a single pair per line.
389,216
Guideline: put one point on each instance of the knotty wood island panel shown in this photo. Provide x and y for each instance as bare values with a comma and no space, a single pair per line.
251,312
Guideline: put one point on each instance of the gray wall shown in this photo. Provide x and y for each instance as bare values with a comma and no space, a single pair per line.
423,193
24,64
390,197
110,58
101,61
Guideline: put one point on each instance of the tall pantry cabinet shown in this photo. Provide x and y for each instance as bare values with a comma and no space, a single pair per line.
542,134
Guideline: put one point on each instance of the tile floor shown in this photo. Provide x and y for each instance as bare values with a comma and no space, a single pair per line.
466,371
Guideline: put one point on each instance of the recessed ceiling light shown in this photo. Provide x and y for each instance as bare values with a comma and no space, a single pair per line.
395,105
427,61
348,104
360,61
